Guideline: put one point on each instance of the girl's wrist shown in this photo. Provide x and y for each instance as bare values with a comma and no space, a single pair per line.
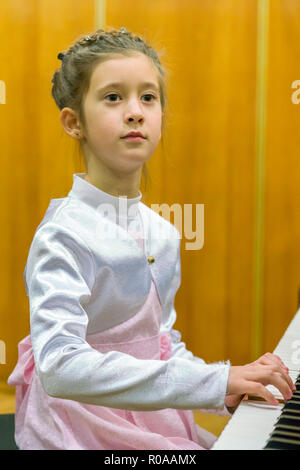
232,402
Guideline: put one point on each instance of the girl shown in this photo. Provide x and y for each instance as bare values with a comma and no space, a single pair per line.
103,367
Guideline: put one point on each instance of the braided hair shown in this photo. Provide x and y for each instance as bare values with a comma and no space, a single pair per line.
71,81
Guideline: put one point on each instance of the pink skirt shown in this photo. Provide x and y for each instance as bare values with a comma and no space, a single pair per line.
43,422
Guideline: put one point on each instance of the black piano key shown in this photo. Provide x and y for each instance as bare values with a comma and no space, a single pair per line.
295,397
286,434
292,422
288,413
291,413
293,406
282,444
288,427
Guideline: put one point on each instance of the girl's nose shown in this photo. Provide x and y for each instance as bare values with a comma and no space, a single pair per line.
134,113
135,118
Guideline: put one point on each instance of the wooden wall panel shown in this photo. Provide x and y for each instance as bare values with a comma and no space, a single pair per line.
37,158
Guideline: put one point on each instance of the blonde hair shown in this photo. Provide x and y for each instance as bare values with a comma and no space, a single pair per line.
71,81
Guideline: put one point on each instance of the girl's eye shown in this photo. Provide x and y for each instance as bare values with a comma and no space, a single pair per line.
113,97
149,97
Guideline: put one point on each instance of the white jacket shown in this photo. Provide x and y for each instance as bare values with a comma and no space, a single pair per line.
80,279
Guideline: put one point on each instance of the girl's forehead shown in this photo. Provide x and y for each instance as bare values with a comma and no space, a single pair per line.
118,67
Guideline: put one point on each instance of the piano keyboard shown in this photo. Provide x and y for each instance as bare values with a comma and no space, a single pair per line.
256,424
286,433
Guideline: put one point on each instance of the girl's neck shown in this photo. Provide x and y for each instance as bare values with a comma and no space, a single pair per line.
115,188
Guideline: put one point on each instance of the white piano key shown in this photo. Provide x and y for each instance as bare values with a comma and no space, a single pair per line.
250,427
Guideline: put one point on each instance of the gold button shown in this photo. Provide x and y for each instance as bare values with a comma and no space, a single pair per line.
150,259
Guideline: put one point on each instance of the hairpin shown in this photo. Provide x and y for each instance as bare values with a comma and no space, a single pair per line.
61,55
123,30
87,38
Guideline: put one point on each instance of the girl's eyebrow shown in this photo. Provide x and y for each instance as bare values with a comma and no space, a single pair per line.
121,85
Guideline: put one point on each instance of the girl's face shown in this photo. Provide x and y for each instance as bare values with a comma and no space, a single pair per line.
123,97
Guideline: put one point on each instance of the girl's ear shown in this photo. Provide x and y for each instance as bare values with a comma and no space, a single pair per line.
70,122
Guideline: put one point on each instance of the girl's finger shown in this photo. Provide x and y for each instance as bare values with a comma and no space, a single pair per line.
269,359
281,362
287,378
259,390
289,381
282,385
273,360
266,375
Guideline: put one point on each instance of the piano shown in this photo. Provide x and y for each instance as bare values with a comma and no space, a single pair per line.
258,425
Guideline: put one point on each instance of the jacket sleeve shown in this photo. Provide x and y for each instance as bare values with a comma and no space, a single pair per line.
59,275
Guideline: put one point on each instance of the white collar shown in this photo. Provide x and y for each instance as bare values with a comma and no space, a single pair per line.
94,197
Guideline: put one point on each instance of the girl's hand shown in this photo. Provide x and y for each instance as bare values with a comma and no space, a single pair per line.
252,379
270,359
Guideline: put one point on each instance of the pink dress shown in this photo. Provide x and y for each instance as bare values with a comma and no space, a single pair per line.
45,422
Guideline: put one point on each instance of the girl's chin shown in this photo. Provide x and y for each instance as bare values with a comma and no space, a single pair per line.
129,167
